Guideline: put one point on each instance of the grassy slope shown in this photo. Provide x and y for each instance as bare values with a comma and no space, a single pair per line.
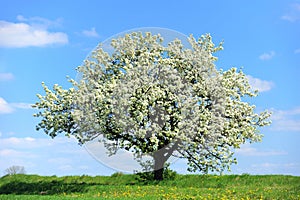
128,187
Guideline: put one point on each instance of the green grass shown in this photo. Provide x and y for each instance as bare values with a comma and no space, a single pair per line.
120,186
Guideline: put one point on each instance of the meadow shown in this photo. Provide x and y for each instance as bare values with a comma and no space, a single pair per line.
120,186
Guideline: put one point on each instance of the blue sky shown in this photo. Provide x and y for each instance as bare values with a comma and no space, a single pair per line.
47,40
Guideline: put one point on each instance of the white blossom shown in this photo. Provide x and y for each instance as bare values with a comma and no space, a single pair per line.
157,99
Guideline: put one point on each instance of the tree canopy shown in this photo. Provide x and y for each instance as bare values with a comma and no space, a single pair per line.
15,169
159,100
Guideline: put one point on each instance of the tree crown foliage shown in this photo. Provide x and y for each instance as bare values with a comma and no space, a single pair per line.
156,99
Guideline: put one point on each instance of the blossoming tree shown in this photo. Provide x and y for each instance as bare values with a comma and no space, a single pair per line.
158,100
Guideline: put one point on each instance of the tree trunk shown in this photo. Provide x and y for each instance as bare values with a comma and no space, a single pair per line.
159,161
159,174
160,158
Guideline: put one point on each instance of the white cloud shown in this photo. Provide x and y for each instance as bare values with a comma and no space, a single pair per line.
6,76
6,108
297,51
59,160
287,125
16,154
83,167
65,168
18,143
29,32
21,18
40,22
260,85
286,120
22,105
276,168
267,56
281,114
46,156
90,33
247,150
293,13
290,17
31,143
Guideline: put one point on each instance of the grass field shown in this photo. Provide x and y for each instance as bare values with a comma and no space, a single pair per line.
118,186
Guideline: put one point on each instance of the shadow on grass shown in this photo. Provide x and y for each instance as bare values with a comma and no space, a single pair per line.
42,187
